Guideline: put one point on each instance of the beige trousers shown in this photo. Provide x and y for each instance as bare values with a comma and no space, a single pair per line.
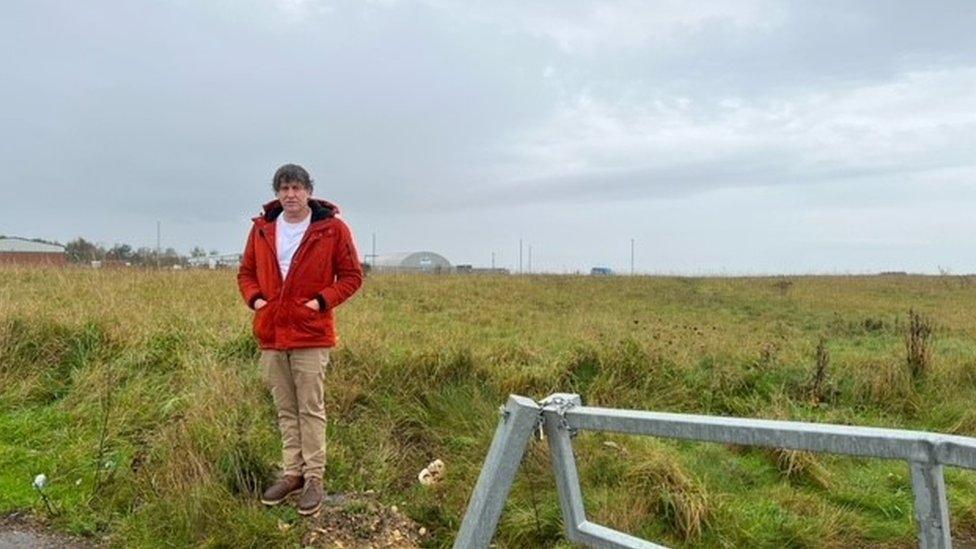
296,379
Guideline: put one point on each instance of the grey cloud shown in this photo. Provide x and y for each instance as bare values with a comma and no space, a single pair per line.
682,180
181,110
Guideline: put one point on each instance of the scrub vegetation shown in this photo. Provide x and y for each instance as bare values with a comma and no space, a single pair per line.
137,394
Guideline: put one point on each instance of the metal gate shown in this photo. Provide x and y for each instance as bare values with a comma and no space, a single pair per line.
561,415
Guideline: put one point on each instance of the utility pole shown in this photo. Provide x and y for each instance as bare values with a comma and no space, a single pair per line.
520,257
530,258
371,257
493,261
631,257
158,241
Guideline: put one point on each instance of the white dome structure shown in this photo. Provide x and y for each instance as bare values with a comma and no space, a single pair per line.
412,262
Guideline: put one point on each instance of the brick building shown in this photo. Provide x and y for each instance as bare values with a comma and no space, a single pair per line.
27,252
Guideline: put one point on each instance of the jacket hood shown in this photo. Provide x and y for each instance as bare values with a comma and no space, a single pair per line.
321,209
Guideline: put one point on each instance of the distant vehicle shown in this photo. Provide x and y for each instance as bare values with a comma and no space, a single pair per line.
601,271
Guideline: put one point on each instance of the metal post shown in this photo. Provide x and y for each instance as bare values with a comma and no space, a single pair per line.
931,508
564,465
578,529
519,417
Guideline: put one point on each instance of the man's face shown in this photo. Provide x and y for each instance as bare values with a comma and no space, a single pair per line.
294,197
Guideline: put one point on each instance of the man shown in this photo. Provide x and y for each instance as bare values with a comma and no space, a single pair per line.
300,263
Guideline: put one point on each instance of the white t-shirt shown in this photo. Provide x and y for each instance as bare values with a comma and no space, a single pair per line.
287,237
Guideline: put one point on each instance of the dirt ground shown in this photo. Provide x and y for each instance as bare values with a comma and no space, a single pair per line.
19,531
346,521
360,521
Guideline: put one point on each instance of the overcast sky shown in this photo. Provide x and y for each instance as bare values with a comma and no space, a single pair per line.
724,137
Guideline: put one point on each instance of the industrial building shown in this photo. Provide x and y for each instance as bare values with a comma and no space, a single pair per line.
411,262
15,250
225,261
472,270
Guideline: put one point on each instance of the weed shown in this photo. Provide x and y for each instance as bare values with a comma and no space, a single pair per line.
783,285
917,346
767,355
822,362
106,402
873,324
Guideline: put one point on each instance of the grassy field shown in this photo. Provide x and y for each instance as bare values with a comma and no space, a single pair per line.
137,394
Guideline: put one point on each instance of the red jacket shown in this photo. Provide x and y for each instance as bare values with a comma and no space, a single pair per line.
325,268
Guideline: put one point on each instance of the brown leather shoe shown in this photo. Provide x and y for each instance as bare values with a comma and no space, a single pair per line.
311,499
277,492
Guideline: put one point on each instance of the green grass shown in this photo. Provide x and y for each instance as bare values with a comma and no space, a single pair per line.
137,393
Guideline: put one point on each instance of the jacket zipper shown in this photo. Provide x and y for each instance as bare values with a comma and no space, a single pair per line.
273,246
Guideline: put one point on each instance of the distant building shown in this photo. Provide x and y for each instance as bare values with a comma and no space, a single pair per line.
470,269
226,261
22,251
601,271
411,262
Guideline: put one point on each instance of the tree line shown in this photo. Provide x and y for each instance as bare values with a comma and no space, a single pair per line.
80,250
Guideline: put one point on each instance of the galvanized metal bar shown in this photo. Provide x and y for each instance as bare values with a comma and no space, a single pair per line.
519,418
838,439
563,415
955,450
564,468
578,528
931,507
594,535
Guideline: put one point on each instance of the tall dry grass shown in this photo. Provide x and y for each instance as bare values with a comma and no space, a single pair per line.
142,386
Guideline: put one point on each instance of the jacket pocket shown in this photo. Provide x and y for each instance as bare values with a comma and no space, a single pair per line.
263,323
308,322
